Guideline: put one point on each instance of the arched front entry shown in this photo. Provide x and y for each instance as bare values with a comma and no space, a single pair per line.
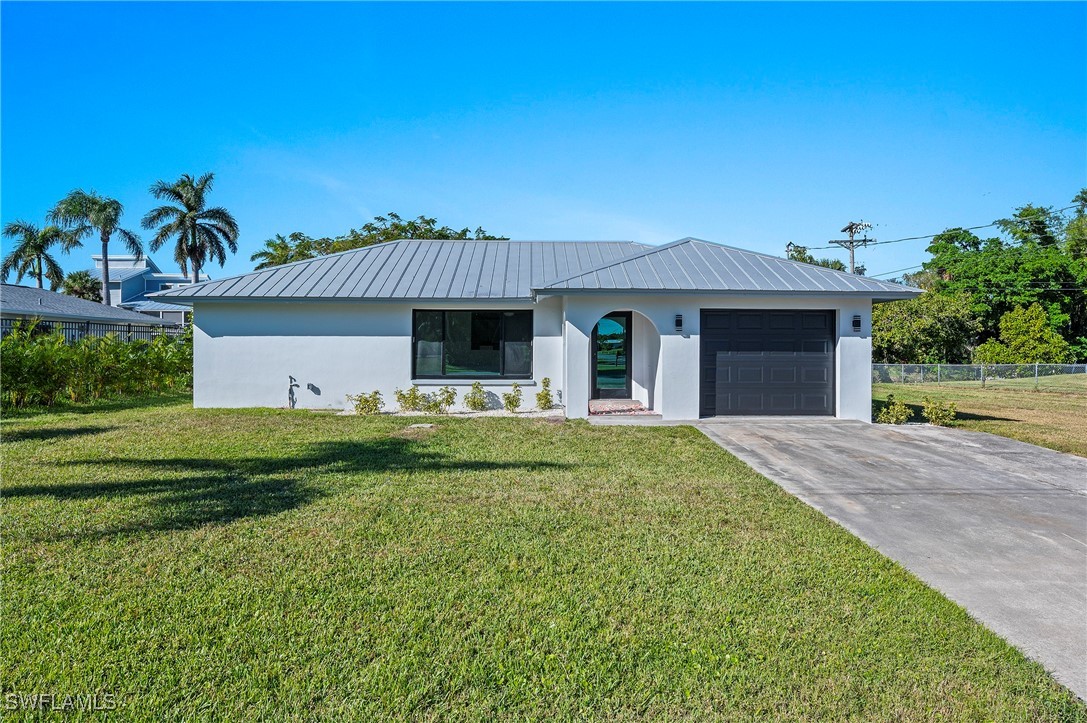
624,358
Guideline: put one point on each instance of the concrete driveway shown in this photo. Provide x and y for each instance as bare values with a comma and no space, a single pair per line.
998,526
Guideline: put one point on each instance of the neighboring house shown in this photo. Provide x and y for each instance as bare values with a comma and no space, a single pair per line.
131,279
689,329
24,302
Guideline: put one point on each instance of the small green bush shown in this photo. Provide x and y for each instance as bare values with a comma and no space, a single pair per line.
939,414
544,400
476,399
440,401
412,400
511,400
367,404
894,412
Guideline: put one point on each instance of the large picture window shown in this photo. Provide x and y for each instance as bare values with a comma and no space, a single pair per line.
472,344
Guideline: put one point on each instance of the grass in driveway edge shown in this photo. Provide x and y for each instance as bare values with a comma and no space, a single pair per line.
1057,420
273,564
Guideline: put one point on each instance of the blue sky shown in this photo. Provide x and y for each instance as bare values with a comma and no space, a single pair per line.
748,124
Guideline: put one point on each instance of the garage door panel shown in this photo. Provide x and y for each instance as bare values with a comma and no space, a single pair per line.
783,375
767,362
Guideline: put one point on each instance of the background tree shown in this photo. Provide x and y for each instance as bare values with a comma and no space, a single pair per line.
284,250
298,246
200,234
1026,337
83,285
31,255
933,328
1032,266
795,252
82,212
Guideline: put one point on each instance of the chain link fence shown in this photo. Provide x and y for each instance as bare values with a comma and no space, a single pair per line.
1043,377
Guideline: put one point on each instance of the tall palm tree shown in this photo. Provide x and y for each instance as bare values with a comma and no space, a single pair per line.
85,211
82,285
284,250
201,234
31,256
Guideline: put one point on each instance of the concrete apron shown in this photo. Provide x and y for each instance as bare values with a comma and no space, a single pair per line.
998,526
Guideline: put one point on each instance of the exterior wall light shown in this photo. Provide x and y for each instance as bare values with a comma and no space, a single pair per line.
679,322
857,323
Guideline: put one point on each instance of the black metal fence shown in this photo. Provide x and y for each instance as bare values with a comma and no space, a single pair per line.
76,330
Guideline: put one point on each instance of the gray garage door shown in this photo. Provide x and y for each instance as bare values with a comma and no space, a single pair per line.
767,362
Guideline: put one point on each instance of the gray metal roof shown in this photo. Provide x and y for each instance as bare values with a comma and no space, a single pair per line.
424,269
118,273
143,306
693,265
417,269
23,301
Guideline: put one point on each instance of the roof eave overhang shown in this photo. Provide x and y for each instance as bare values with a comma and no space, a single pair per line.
190,300
874,295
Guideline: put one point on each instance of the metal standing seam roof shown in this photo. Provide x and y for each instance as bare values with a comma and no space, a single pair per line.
118,273
469,269
693,265
143,306
24,301
417,269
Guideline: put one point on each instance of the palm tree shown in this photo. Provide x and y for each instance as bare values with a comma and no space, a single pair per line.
31,254
86,211
284,250
201,233
82,285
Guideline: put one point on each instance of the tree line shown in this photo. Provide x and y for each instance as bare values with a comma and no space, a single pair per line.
201,234
1017,297
297,246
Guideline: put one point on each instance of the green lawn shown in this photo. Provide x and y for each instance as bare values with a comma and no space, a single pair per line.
291,565
1011,408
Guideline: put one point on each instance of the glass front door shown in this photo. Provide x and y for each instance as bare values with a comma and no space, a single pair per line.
611,357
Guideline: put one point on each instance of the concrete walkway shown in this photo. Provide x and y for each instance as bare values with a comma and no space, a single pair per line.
998,526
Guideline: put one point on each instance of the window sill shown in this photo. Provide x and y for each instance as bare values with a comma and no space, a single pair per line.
469,381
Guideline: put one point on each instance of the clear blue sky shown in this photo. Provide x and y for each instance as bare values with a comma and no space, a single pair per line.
749,124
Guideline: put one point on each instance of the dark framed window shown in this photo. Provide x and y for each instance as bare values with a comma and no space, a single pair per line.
471,344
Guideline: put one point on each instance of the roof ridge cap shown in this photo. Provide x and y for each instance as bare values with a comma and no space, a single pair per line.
623,260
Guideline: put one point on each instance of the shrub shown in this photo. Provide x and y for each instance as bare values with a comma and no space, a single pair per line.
40,368
894,412
476,399
367,404
544,400
440,401
938,414
511,400
412,400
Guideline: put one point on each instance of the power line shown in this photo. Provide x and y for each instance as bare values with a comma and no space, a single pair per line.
931,235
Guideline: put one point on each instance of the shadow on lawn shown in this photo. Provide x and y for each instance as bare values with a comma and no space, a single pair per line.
47,433
186,493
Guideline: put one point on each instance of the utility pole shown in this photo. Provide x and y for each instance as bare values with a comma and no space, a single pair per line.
853,228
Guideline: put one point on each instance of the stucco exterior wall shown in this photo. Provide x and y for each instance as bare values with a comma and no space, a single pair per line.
676,381
246,352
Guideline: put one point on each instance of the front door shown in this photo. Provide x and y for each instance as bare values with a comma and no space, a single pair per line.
611,357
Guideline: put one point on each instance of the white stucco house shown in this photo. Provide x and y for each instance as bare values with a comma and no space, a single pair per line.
690,329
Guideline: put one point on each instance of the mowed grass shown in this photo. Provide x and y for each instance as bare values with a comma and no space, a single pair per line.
1010,408
278,565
